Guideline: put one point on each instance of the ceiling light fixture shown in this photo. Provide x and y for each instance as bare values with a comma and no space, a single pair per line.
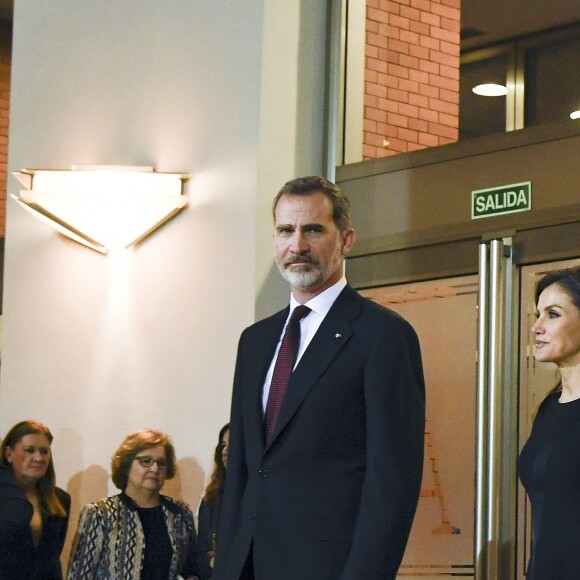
575,114
103,207
490,90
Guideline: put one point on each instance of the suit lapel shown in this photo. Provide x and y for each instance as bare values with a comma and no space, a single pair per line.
333,334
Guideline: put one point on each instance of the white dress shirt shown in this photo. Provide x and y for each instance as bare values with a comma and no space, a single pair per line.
320,305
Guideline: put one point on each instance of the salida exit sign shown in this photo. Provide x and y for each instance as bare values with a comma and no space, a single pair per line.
501,200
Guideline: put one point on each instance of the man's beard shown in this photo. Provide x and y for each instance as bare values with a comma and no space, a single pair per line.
303,279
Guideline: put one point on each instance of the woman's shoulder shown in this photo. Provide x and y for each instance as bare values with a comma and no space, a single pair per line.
176,505
103,506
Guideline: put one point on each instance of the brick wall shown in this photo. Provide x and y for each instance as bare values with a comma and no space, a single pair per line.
5,61
411,98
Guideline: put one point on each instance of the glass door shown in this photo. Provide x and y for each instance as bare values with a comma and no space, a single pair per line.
444,314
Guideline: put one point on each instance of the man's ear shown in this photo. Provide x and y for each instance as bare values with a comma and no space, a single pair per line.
348,239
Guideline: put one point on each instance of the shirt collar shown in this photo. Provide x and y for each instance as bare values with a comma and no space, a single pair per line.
321,303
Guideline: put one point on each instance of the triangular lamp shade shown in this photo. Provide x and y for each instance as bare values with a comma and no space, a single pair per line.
103,207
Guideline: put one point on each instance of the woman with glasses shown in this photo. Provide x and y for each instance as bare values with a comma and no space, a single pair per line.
33,511
138,534
209,508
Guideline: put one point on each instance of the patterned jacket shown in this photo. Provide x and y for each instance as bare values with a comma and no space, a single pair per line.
110,544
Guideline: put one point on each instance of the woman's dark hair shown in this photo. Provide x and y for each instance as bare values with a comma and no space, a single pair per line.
215,487
567,280
46,486
134,444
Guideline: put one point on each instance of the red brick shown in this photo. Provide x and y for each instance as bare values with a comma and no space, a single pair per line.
444,107
375,114
398,145
410,62
379,15
399,96
388,80
409,110
428,66
371,76
385,153
451,72
432,19
429,140
449,96
376,64
449,24
444,141
389,31
442,131
429,91
376,40
399,22
374,139
398,46
374,89
428,115
407,85
373,3
449,48
371,26
388,55
419,52
411,37
415,147
408,135
419,76
442,58
411,13
442,34
398,120
369,152
369,126
429,42
386,130
421,5
371,101
444,83
452,3
446,11
419,27
388,105
372,51
419,100
419,125
398,71
449,120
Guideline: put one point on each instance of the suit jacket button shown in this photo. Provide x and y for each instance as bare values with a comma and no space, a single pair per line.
253,516
265,473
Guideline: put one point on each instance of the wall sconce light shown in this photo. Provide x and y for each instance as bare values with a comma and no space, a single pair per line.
103,207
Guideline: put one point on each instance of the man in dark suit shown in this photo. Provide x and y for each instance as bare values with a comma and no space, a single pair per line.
327,490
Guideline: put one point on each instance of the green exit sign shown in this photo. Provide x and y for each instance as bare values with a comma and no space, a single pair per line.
501,200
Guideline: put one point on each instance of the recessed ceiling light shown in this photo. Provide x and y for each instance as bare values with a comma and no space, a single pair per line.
490,90
575,114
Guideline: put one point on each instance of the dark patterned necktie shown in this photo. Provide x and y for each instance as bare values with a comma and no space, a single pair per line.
283,368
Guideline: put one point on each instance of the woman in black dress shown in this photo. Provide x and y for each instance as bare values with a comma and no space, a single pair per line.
209,509
549,464
34,512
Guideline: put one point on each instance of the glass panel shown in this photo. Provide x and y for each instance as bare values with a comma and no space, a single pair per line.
444,314
480,115
552,82
536,379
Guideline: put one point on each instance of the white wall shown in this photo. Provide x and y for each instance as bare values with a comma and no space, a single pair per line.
95,346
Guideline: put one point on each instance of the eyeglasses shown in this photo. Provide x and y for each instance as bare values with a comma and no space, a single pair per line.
147,462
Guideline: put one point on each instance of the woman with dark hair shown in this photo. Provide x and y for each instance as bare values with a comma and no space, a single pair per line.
138,534
549,464
209,508
33,511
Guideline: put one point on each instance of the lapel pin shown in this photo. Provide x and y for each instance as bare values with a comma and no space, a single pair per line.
338,335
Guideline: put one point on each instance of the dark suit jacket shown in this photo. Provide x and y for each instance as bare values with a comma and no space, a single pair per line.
334,494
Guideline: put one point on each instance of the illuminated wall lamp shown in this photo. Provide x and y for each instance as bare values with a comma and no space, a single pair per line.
102,207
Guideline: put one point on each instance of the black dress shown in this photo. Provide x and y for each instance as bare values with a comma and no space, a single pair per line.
549,467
